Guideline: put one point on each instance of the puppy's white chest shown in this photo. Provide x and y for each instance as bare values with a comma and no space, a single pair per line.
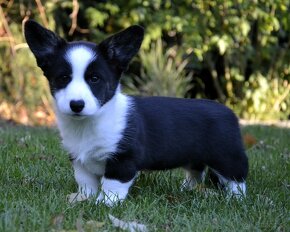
95,137
89,147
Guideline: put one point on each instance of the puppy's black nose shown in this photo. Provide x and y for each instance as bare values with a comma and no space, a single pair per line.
77,106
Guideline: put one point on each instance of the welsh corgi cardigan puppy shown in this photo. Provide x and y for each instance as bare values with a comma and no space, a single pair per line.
111,136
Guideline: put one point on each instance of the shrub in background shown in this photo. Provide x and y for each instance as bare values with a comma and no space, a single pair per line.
264,100
24,96
238,51
160,74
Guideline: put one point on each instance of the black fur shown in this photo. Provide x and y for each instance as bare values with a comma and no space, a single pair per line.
165,133
120,48
42,42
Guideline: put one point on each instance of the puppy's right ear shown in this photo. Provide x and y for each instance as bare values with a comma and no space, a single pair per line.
41,41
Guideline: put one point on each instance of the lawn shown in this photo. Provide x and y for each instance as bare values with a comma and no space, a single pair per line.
36,177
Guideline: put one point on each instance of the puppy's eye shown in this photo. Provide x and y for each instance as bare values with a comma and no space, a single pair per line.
63,79
93,79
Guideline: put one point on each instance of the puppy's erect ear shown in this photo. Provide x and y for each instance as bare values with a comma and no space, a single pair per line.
120,48
41,41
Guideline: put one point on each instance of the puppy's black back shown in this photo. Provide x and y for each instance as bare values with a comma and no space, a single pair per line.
167,133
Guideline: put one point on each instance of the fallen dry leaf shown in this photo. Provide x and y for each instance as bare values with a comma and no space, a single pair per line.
57,221
249,140
88,226
79,223
54,230
131,226
76,197
206,191
93,225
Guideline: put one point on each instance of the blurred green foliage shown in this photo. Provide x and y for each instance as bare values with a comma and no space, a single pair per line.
160,74
235,51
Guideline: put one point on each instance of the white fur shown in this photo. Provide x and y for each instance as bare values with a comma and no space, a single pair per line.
113,191
91,139
79,58
87,181
233,188
238,189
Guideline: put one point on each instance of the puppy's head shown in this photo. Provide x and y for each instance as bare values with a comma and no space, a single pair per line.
82,76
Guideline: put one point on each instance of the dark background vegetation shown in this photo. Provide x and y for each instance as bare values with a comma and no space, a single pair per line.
234,51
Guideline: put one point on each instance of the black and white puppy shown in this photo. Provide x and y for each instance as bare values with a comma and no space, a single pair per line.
111,136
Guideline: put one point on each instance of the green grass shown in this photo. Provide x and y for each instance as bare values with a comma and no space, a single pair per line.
36,176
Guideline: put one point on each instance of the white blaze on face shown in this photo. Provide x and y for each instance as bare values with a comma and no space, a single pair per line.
79,57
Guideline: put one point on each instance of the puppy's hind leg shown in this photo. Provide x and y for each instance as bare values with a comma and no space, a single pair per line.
232,187
193,175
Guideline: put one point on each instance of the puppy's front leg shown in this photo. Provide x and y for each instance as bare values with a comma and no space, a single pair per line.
113,191
119,176
87,181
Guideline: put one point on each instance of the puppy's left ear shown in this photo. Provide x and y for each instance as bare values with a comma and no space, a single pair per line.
120,48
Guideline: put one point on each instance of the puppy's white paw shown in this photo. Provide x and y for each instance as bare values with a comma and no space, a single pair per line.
113,191
236,189
100,198
109,199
